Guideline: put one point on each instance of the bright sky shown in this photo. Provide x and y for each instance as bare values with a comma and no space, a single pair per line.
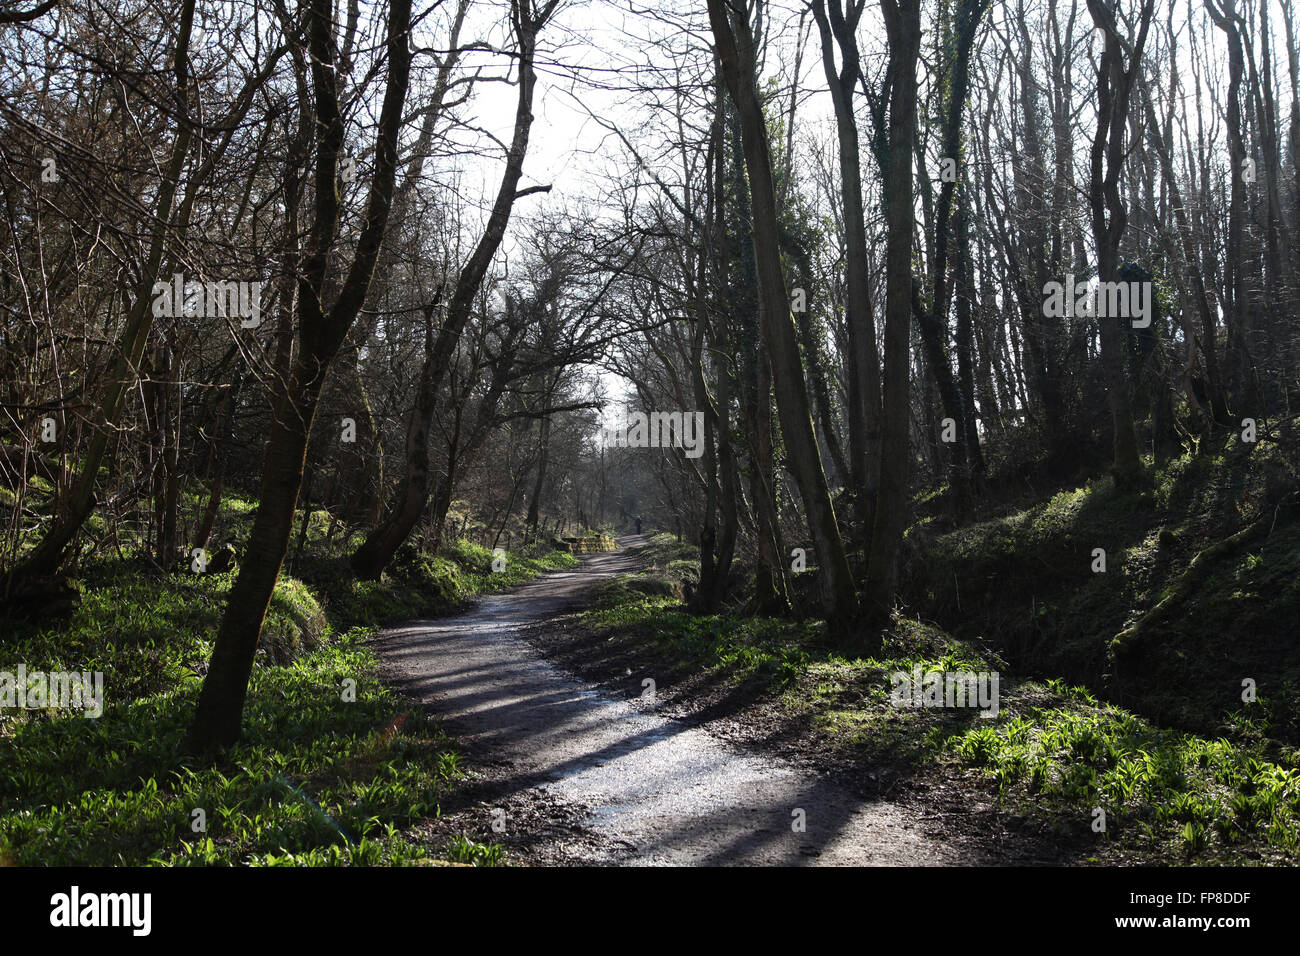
589,38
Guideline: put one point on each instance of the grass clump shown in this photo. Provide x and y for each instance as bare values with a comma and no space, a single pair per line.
1165,789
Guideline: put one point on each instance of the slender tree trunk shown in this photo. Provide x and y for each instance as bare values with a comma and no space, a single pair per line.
412,495
321,333
933,322
903,26
1237,266
756,399
839,25
539,483
839,599
964,288
720,469
817,364
1109,218
1217,412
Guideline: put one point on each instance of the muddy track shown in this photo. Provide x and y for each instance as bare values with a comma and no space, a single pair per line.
612,781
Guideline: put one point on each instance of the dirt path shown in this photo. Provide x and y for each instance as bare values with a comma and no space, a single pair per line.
646,789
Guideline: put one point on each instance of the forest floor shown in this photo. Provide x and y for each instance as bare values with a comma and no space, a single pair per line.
331,767
606,768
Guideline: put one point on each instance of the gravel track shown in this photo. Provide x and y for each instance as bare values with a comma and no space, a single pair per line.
651,790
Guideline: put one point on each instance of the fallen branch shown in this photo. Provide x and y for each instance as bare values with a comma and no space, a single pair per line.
1127,640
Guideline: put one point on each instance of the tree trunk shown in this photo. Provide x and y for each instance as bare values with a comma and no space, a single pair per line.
862,360
737,59
321,332
412,494
903,26
543,459
1114,89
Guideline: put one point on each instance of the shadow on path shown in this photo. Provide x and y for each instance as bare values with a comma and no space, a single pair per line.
658,791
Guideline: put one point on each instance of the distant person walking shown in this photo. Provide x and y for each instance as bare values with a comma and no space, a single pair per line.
638,524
